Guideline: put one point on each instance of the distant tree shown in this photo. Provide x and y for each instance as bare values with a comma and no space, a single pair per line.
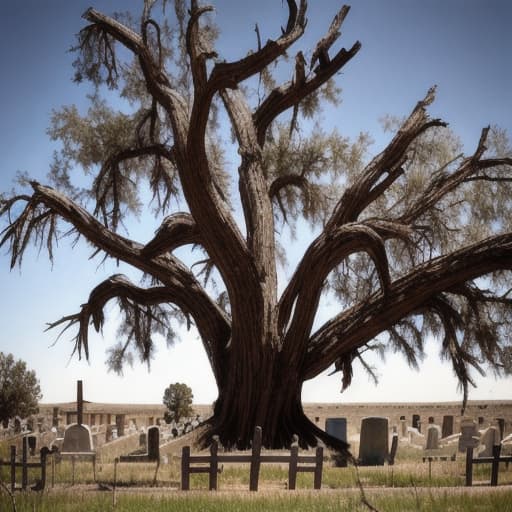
178,400
19,389
413,242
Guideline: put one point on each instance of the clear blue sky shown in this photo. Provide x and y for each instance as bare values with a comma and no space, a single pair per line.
463,46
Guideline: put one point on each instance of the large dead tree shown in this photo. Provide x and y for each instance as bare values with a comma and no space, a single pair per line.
414,242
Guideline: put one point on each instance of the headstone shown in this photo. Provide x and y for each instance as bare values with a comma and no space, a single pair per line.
416,422
153,443
143,441
489,438
120,419
174,432
432,437
77,438
403,427
337,428
374,443
32,444
55,417
481,420
469,436
447,428
501,426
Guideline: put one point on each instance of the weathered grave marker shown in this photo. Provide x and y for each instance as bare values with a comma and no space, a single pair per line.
403,427
374,443
416,422
501,426
337,427
490,438
120,420
432,437
469,436
77,438
447,428
55,417
153,443
32,444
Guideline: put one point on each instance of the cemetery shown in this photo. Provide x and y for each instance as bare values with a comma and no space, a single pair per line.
393,446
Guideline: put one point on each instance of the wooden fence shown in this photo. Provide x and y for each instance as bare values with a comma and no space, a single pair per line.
210,463
25,465
494,461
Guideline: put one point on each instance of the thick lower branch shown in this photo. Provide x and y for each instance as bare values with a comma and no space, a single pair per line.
360,324
211,321
324,254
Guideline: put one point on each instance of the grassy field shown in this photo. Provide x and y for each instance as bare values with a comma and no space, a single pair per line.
431,500
409,485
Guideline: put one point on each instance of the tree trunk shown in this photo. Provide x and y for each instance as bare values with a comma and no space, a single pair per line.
268,396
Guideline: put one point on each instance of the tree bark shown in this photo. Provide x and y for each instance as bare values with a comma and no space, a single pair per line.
265,392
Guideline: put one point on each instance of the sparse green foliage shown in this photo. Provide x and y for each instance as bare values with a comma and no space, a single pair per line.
178,400
19,388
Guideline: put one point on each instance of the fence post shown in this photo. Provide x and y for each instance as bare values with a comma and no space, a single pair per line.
13,468
53,470
24,469
214,463
496,452
185,466
114,487
319,467
292,469
44,453
255,459
469,466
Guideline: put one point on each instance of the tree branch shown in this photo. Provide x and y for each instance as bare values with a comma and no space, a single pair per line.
196,54
290,95
369,185
211,321
363,322
175,231
229,74
106,184
156,81
303,292
443,183
143,315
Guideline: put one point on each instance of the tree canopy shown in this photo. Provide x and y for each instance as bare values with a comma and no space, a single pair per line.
178,399
19,389
412,242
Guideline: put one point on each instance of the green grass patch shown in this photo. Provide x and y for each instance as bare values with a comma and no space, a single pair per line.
406,500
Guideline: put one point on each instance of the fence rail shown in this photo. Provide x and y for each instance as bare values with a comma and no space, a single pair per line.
296,464
494,461
25,466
